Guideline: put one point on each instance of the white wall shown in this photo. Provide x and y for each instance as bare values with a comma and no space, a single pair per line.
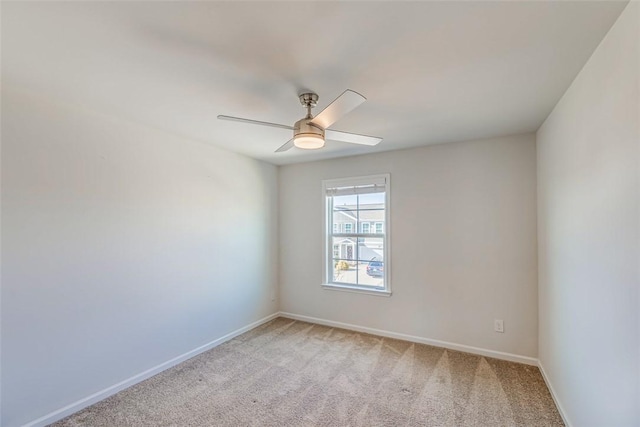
463,243
122,247
589,232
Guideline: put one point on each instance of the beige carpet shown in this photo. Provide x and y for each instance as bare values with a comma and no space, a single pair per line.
290,373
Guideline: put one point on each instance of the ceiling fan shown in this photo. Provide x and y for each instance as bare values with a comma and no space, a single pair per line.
310,132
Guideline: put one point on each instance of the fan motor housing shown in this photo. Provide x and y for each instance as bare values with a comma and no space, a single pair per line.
304,127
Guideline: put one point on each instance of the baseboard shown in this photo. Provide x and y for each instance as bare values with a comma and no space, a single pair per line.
103,394
436,343
561,410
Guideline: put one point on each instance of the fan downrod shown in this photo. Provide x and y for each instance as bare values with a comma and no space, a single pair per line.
308,101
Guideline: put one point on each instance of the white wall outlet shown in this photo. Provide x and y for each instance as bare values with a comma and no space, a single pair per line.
498,325
273,295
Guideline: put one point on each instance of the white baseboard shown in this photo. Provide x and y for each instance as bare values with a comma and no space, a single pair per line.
103,394
436,343
561,410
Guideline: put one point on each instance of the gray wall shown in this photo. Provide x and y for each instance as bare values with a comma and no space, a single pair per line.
589,234
122,247
463,243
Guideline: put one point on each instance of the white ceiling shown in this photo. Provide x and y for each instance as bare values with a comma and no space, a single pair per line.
433,72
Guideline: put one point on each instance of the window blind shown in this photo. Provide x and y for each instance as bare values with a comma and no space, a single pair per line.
353,187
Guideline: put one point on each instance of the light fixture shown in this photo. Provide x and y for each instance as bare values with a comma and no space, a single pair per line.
308,141
307,135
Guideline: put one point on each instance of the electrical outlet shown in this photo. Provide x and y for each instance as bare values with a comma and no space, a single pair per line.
273,295
498,325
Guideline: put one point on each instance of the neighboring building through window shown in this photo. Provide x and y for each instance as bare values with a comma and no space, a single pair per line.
356,215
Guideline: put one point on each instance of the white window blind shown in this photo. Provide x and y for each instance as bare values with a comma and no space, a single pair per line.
358,186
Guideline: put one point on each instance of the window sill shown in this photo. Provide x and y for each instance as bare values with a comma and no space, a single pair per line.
357,289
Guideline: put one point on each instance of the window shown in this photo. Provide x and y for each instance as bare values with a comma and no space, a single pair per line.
357,218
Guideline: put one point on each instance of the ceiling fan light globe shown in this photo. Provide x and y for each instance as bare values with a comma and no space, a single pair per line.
308,141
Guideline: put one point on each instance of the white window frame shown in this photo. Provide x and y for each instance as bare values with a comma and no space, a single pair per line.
327,232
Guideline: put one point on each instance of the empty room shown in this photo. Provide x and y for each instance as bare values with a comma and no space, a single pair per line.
320,213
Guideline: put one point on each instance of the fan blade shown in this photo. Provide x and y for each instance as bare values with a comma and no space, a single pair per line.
338,108
287,145
352,138
254,122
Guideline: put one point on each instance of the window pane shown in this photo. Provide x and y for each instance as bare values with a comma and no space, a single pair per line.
359,273
344,220
345,272
370,249
379,228
345,248
345,202
371,217
371,273
371,201
371,261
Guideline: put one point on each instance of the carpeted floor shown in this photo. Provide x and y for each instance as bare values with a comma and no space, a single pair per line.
291,373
